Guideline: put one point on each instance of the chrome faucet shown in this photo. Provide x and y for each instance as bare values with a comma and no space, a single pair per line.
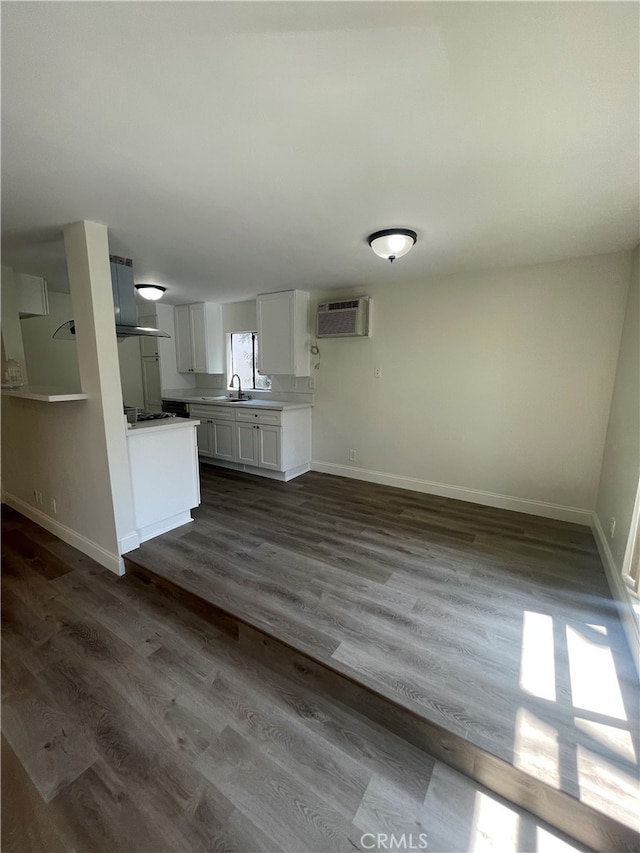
235,376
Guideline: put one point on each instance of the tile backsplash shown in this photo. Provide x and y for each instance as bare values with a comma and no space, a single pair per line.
282,387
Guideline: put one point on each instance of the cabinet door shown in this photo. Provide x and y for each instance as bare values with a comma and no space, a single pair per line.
33,296
184,358
222,440
269,447
247,450
151,384
275,329
203,435
198,323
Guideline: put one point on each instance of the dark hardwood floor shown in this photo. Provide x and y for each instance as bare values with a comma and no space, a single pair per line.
494,627
131,723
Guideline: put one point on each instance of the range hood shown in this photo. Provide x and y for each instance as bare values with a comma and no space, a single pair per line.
124,303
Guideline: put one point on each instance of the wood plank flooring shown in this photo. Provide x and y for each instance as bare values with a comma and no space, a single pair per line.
494,626
132,724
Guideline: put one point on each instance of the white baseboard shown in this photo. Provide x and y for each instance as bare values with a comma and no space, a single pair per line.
129,542
619,592
530,507
164,526
113,562
283,476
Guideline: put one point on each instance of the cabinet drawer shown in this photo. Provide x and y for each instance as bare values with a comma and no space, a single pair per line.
259,416
220,413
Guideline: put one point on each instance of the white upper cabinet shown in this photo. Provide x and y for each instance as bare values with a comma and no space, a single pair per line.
283,333
199,338
33,297
184,352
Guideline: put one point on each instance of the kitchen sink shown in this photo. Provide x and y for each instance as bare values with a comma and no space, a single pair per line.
225,399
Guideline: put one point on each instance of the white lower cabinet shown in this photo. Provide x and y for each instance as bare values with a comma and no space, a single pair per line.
260,445
216,432
222,440
270,442
247,451
203,434
269,447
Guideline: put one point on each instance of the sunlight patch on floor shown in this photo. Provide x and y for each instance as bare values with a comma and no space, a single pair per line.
494,827
497,828
548,843
616,739
603,785
537,661
594,682
536,748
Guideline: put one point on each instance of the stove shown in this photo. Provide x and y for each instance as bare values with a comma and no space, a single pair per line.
153,416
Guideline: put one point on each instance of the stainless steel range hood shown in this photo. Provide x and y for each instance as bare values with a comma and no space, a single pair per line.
67,332
124,303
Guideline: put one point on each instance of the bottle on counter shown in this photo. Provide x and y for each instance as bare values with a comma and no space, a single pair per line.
12,374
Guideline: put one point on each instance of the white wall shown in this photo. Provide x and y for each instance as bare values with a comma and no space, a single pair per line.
494,383
621,458
618,488
239,317
51,362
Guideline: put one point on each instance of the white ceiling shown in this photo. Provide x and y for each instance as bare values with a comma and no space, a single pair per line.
237,148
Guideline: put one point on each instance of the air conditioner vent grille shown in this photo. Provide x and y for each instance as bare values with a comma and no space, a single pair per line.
339,306
343,318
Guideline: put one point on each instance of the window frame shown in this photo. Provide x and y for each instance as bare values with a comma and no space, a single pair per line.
254,361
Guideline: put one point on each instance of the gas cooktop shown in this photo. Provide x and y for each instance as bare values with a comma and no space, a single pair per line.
153,416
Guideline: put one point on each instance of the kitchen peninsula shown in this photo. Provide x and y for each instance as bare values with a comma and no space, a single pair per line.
165,480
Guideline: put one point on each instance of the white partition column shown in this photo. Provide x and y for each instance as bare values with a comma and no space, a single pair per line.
87,251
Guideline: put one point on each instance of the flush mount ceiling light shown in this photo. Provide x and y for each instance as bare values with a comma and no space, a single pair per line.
150,291
392,243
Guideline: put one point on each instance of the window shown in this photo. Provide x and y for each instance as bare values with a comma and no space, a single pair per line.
244,359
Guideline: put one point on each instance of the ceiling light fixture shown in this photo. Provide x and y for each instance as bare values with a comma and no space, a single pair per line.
392,243
150,291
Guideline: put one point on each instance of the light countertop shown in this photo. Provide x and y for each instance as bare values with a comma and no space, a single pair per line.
160,425
222,400
44,394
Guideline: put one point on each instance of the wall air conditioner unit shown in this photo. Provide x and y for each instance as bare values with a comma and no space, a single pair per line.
344,318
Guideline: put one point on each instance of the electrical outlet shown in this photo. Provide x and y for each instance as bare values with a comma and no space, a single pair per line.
377,373
54,509
312,383
612,528
37,497
352,455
